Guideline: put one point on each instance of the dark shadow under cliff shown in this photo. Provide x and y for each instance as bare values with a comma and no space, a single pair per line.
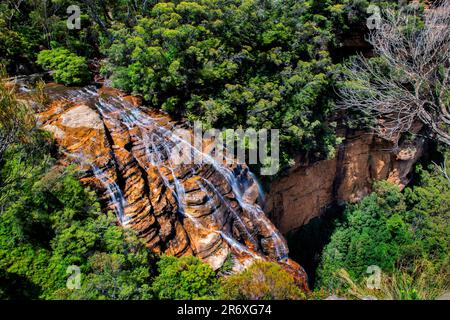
307,242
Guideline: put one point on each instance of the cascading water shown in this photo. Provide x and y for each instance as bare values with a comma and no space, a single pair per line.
150,140
137,118
113,191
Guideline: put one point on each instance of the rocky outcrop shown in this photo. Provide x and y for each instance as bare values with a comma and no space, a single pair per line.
305,191
207,209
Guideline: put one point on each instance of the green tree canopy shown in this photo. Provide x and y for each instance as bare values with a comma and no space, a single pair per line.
392,230
67,67
259,64
184,278
261,281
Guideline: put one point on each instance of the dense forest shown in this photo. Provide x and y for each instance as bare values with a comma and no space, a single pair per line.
258,64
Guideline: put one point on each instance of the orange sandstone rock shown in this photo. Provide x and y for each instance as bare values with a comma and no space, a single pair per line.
209,209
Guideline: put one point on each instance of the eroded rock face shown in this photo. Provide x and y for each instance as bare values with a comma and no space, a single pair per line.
207,209
305,191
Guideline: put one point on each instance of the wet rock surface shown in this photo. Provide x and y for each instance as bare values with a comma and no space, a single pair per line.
207,209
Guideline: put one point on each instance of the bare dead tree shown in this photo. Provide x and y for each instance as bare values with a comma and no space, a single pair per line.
409,82
443,169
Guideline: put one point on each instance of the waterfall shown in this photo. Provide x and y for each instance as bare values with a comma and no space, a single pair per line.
157,142
115,194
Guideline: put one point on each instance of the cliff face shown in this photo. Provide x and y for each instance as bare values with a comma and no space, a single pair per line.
306,190
207,209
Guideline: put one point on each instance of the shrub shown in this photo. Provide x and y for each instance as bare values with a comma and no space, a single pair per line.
261,281
184,278
67,67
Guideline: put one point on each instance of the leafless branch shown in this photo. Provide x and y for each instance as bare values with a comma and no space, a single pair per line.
410,81
443,169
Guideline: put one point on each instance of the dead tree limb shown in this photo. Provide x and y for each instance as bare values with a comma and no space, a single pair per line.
408,81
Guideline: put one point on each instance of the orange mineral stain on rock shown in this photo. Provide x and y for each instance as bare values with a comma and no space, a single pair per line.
208,209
